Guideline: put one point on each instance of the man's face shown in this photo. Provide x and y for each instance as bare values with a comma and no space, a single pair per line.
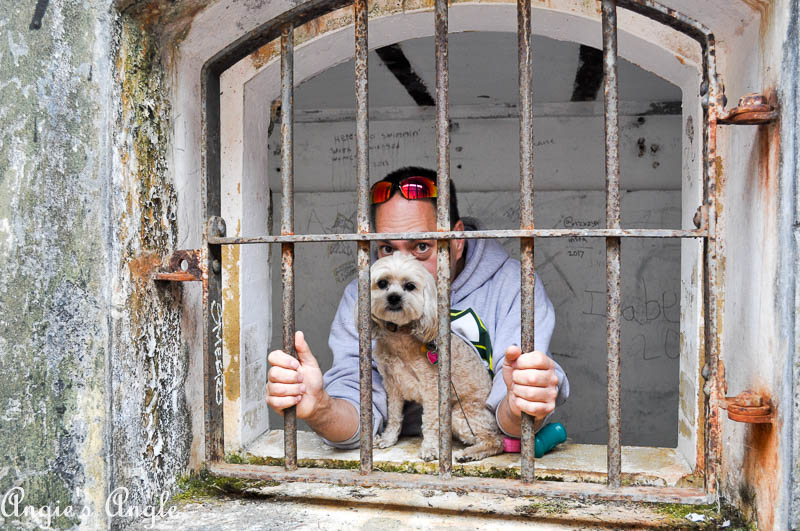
398,214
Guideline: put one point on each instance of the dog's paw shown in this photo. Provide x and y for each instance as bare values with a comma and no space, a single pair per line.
385,442
485,447
462,456
429,452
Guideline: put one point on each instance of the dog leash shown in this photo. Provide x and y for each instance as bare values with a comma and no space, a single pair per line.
462,409
433,357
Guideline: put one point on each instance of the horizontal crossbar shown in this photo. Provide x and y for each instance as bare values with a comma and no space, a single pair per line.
473,234
509,487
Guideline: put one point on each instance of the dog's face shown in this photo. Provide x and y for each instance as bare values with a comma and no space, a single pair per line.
403,292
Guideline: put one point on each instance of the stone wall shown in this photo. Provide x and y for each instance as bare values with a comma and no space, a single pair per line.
90,347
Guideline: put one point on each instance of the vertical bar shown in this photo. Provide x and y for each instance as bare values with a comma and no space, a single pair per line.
526,221
610,97
212,286
362,175
711,284
443,246
287,227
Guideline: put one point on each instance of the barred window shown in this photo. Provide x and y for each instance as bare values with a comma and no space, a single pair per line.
624,249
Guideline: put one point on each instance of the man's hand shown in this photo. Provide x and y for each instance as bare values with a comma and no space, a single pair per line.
532,384
295,382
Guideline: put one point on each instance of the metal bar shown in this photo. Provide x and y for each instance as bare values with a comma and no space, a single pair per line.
714,388
526,222
362,175
443,246
669,17
478,234
212,280
492,111
287,227
611,100
508,487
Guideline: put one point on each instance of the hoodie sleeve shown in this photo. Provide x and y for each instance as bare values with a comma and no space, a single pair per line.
341,380
508,331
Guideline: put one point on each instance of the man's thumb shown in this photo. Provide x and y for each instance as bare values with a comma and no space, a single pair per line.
512,353
303,350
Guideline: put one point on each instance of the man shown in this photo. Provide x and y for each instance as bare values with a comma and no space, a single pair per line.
484,279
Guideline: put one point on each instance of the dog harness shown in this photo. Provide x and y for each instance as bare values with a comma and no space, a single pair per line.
469,326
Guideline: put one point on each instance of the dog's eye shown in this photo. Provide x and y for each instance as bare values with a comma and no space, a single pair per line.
382,283
409,286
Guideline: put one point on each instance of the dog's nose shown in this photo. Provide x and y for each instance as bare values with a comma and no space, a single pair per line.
394,299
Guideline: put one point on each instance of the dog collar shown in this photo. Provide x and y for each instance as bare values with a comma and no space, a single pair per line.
393,327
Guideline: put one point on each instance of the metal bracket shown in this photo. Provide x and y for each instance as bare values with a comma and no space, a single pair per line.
749,407
184,266
753,109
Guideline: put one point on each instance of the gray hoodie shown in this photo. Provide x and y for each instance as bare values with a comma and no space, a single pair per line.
490,285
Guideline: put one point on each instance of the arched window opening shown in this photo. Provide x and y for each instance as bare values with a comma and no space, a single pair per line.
661,159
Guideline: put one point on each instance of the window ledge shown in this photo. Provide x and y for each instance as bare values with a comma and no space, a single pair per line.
663,467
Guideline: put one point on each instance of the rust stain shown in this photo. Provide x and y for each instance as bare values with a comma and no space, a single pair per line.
143,266
769,143
761,469
331,21
764,9
230,318
166,17
266,53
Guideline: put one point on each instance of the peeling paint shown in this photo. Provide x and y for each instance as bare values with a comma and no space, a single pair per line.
230,301
151,434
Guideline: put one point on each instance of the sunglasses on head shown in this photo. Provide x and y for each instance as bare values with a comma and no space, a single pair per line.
416,187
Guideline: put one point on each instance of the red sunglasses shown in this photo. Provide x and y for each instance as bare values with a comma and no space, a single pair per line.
417,187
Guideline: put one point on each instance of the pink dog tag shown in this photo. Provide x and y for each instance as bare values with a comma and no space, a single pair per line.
433,357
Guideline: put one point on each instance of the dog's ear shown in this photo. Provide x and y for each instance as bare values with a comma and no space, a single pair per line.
427,328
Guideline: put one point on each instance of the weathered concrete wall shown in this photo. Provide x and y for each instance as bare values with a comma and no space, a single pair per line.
90,347
758,182
790,259
150,434
54,116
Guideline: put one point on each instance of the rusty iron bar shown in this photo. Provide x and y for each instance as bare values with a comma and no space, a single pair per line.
361,18
714,388
477,234
526,221
287,227
611,101
443,225
213,373
669,17
507,487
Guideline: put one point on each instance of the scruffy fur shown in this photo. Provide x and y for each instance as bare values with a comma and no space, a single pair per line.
404,294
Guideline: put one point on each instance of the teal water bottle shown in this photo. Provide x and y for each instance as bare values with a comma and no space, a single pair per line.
548,438
545,440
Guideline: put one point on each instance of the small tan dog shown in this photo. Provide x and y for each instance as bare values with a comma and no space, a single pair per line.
404,329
